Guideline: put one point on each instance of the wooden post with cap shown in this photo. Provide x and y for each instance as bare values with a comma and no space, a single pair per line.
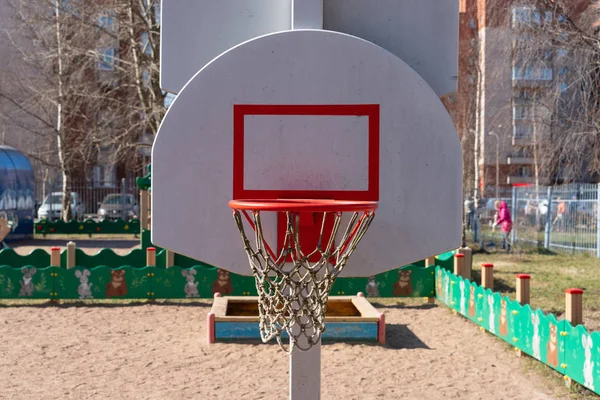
523,297
523,294
55,257
468,263
574,306
487,276
459,264
151,257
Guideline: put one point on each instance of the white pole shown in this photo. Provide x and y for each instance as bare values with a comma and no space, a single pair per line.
307,14
305,366
305,374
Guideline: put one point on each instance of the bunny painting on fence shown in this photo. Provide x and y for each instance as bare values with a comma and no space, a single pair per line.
27,281
492,318
85,288
191,286
535,320
588,365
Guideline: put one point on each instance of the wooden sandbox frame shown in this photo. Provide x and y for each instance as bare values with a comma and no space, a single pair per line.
348,319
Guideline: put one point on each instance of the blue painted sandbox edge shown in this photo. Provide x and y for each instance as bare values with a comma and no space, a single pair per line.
336,331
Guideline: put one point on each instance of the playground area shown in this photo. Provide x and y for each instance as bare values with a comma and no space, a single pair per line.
158,351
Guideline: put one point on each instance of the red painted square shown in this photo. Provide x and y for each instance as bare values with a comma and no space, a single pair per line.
369,110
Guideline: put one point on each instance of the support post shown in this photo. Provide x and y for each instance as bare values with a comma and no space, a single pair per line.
307,14
55,257
305,374
487,276
513,212
574,306
468,265
151,257
148,209
430,262
170,258
523,294
71,262
143,210
523,297
459,264
548,228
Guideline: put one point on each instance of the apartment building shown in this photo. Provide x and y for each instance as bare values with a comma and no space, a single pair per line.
506,73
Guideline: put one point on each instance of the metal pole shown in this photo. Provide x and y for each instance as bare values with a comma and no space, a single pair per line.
598,223
513,212
548,229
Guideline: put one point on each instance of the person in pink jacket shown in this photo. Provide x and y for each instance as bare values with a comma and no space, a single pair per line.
505,222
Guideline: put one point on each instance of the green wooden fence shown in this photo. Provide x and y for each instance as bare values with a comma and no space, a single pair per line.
88,227
179,282
572,351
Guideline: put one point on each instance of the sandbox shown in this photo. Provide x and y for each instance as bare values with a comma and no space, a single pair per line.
348,319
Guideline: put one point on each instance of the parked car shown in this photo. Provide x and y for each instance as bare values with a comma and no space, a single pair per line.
115,206
52,206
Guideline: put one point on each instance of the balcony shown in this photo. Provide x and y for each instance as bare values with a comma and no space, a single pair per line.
512,180
519,160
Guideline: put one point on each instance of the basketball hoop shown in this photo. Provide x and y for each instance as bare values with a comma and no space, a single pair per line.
292,288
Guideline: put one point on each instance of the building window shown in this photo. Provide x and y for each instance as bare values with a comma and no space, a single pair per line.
564,87
472,23
562,52
525,16
523,172
106,22
548,17
523,131
521,112
541,73
107,59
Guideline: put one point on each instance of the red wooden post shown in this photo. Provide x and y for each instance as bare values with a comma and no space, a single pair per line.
55,256
151,256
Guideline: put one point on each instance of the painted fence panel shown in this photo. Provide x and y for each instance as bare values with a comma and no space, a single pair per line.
582,355
27,282
408,281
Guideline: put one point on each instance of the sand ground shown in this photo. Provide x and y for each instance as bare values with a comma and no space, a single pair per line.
159,351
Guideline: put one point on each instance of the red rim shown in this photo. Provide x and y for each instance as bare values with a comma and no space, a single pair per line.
303,205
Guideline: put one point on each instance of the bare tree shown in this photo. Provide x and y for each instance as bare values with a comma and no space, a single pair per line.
89,82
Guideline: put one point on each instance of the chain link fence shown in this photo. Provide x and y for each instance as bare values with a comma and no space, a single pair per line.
560,218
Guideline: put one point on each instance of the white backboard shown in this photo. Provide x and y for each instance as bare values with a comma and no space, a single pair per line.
423,33
309,114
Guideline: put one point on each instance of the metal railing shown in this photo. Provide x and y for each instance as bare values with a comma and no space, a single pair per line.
560,218
88,196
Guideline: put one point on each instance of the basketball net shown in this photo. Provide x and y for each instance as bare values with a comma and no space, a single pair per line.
293,291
